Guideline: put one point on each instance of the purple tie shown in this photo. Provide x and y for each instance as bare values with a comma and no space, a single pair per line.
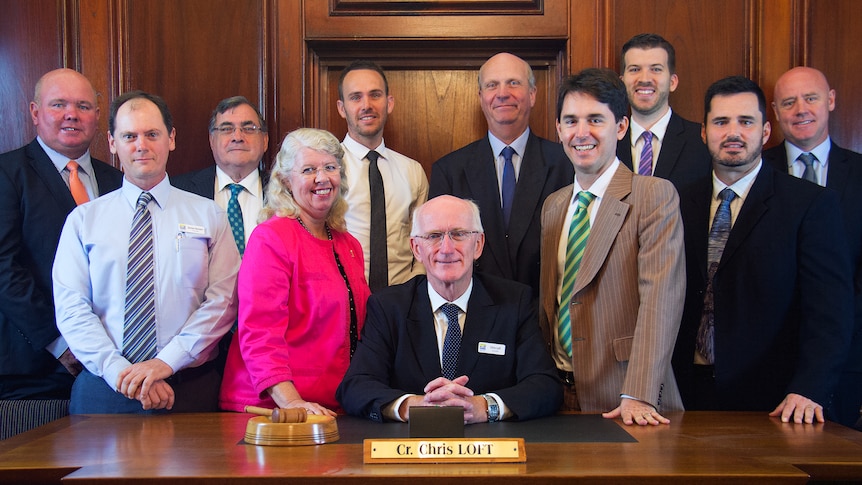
645,163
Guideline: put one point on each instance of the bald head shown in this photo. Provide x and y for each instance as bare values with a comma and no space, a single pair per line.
64,112
802,102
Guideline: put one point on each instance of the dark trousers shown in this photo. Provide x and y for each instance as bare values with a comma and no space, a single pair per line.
195,391
55,385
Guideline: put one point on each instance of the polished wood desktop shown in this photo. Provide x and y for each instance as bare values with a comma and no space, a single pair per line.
697,447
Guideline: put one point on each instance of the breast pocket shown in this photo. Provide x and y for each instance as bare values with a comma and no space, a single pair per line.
193,256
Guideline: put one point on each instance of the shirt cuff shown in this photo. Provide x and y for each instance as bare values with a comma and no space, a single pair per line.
390,411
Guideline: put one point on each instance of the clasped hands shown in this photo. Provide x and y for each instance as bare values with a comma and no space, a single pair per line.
445,392
145,381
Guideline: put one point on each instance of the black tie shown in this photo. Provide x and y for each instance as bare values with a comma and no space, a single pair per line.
378,273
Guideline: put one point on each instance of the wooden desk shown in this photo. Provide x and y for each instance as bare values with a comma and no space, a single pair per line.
207,448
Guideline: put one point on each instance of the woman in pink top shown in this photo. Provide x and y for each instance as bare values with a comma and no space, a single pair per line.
302,289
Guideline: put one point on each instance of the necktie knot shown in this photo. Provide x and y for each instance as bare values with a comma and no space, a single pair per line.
647,136
726,195
645,160
507,153
451,311
235,189
584,199
372,156
72,166
76,187
808,160
144,200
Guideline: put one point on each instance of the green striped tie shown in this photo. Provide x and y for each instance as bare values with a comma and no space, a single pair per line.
579,231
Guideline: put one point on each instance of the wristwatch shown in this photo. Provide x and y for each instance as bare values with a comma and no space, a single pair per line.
493,408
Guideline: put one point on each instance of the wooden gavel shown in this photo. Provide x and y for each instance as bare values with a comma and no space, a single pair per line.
280,415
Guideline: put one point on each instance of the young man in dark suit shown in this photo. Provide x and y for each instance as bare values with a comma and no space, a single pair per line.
676,151
35,198
769,297
478,171
453,338
802,103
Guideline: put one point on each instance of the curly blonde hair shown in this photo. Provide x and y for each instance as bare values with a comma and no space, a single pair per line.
279,197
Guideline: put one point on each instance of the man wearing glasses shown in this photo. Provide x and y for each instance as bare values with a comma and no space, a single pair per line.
238,138
449,338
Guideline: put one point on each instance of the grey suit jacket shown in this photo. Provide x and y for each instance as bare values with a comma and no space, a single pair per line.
628,296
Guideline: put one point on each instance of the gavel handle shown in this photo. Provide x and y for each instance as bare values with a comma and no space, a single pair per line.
259,411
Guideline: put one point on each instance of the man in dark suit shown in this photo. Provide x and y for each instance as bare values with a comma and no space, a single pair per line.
802,103
507,92
35,197
769,309
676,151
450,338
238,139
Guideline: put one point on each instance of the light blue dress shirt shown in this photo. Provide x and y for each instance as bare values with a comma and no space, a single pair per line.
196,263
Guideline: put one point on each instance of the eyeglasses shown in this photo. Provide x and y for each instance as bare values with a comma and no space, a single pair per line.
436,238
229,129
328,169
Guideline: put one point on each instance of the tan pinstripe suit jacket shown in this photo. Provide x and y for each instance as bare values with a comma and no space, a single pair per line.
628,296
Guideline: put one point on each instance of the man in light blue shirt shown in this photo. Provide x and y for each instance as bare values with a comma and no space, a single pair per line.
194,266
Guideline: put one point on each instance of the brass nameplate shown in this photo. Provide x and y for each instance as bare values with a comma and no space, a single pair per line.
441,450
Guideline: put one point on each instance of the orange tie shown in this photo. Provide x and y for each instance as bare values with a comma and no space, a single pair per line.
79,192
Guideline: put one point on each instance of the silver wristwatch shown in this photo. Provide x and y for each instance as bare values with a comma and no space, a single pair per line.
493,408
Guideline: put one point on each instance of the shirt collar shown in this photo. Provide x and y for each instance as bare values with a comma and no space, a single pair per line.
519,145
600,186
740,187
59,160
821,151
251,182
461,302
658,129
160,192
359,150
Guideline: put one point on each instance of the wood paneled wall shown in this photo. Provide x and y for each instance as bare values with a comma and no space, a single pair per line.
286,55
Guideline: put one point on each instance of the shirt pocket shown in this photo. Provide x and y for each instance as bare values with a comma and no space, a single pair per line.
193,258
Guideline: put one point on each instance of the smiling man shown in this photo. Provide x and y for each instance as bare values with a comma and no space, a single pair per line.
612,265
659,141
508,173
769,296
451,338
145,287
385,186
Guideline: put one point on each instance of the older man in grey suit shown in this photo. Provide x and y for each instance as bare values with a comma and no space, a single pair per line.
613,273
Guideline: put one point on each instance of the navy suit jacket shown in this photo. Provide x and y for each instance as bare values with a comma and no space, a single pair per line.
202,182
34,203
469,173
398,352
783,294
683,157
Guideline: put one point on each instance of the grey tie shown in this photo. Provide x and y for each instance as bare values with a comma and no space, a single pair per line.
139,331
809,174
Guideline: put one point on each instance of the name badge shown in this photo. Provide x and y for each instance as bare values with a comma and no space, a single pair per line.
190,229
493,349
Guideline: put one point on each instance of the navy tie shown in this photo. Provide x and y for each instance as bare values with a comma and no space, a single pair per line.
452,342
508,183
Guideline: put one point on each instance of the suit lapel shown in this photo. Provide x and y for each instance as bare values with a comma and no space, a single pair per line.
420,330
624,149
528,192
698,199
752,210
607,223
483,183
46,171
671,147
839,169
479,324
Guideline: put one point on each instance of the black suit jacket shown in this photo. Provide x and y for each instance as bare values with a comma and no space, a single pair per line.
34,203
783,293
202,182
398,352
469,173
683,157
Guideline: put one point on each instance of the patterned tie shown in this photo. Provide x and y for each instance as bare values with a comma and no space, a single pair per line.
705,343
645,163
508,183
139,332
234,216
378,272
79,192
579,231
809,174
452,342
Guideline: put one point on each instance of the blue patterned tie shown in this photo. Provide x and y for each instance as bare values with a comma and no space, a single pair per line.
508,183
139,331
808,160
452,342
234,216
579,231
645,163
705,343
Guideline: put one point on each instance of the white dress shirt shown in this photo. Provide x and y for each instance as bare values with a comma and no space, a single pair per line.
250,199
659,129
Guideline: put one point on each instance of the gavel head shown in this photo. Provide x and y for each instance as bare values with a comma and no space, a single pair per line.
289,415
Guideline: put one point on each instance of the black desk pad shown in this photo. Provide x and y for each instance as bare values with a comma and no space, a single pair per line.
580,428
